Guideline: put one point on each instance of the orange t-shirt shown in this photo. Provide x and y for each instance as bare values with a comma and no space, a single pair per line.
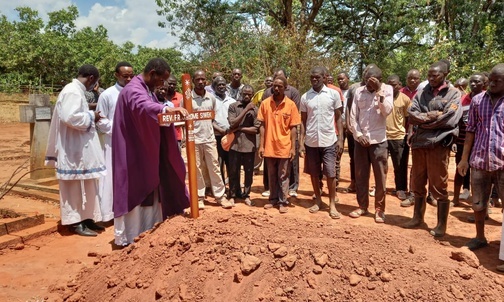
278,122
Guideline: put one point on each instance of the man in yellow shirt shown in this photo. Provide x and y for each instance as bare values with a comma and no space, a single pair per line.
268,82
396,137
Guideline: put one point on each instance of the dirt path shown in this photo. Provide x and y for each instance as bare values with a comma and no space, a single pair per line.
47,268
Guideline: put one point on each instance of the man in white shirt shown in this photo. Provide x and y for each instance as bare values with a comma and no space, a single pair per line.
371,105
320,108
206,147
220,123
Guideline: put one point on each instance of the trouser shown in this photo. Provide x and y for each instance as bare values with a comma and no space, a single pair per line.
405,161
430,164
294,170
278,176
459,179
398,150
265,176
351,150
223,159
293,175
374,156
236,161
206,156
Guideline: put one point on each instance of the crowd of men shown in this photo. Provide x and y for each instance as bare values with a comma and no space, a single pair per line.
137,176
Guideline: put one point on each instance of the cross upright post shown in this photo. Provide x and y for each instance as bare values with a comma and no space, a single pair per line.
190,147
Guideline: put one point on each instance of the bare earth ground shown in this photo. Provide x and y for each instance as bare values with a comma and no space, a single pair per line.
252,254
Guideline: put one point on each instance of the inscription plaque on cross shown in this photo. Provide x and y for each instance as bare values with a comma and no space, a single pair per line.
166,119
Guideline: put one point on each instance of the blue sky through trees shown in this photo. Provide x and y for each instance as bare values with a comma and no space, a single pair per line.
125,20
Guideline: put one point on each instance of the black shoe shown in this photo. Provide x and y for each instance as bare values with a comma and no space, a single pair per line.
90,224
472,220
476,243
81,229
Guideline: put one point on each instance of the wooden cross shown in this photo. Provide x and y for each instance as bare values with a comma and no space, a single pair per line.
166,119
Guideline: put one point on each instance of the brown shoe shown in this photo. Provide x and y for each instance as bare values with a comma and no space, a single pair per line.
500,268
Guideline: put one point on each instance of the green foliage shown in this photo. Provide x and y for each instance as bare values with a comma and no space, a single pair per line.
259,36
39,56
63,21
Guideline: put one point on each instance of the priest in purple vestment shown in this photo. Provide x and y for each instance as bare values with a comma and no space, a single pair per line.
148,169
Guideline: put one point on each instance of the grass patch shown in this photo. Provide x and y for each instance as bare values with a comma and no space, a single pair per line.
9,106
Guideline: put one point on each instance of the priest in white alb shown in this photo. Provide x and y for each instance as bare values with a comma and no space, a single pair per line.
73,148
106,107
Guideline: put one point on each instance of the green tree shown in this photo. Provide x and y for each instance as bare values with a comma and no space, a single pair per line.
256,36
63,21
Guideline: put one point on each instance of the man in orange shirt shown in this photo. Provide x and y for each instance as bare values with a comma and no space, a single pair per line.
279,117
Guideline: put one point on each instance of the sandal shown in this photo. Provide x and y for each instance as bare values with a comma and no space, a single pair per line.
335,214
476,243
349,190
379,217
314,209
358,213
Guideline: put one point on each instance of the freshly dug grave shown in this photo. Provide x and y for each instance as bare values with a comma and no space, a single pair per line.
262,256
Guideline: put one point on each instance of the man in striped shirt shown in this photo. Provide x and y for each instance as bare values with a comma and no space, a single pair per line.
484,142
477,84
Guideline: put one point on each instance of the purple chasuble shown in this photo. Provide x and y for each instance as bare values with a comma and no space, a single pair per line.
145,156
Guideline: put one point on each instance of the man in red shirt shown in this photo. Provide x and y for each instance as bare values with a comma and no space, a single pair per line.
412,82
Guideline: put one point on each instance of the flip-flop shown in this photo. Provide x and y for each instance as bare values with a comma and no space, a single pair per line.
358,213
349,190
476,243
335,214
314,209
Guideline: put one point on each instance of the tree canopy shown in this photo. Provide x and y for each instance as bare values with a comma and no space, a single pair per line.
42,54
259,36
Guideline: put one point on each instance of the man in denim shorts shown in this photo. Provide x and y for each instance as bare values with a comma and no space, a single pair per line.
321,109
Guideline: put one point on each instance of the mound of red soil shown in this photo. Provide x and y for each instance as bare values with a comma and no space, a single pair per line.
263,256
